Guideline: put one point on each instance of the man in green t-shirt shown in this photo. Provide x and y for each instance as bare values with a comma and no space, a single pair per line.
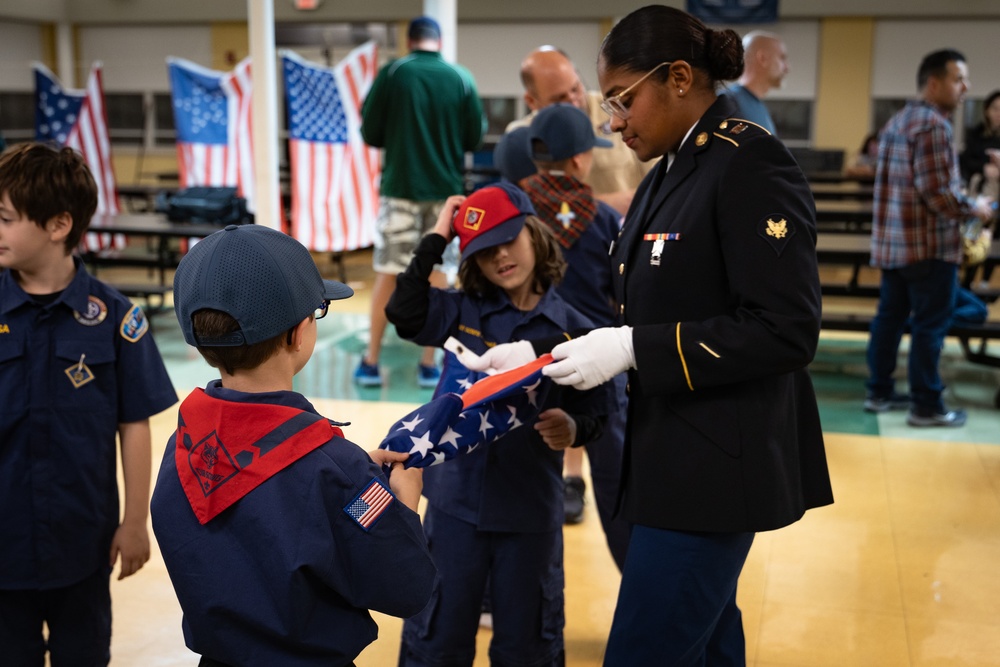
425,114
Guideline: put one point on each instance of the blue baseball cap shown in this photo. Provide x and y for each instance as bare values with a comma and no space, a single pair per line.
565,130
512,155
423,27
267,281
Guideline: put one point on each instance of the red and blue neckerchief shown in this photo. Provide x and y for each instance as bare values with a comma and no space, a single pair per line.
224,449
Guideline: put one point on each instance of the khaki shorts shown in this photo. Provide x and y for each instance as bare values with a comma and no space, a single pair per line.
400,226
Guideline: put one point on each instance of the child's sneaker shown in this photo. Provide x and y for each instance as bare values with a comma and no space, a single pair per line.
427,376
367,375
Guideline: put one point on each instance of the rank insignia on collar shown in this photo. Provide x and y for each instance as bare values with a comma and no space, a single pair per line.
79,374
777,230
95,313
739,128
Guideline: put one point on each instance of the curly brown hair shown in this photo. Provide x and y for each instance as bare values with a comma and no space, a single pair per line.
549,263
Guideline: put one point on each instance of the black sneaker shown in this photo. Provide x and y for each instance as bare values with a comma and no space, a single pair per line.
950,418
573,490
886,403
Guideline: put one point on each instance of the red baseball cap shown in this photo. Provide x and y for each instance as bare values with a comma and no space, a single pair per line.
491,216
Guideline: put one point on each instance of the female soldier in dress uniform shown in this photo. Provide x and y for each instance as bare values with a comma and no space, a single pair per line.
718,294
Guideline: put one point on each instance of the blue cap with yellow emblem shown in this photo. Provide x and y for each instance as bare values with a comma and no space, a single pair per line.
267,281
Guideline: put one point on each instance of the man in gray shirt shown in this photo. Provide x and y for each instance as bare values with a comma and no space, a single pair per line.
765,65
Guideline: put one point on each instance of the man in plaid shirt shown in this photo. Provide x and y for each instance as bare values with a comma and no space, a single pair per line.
916,241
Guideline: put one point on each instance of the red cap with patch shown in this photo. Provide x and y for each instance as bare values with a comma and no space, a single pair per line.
489,217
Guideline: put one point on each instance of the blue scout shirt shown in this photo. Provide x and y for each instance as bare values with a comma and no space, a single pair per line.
70,372
514,484
285,576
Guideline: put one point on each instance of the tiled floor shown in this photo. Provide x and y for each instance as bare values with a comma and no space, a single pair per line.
901,570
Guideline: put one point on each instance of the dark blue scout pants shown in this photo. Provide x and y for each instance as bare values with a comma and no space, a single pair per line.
78,618
526,591
677,602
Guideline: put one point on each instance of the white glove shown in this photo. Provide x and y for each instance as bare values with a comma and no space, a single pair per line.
503,357
593,359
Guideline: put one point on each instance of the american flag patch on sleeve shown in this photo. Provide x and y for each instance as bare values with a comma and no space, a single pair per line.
368,506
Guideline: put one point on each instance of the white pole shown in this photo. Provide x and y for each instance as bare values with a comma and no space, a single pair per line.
445,12
265,113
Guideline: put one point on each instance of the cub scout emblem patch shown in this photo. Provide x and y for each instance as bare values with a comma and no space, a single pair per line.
369,505
473,218
211,463
95,313
776,230
79,374
135,325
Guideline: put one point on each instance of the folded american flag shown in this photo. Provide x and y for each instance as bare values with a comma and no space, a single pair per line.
454,424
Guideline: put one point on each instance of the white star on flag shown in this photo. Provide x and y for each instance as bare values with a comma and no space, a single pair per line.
421,445
450,436
514,422
410,425
484,422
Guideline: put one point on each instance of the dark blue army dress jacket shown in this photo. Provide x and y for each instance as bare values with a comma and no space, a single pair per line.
715,270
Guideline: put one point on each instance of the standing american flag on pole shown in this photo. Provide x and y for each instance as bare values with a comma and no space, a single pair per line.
335,175
78,119
212,117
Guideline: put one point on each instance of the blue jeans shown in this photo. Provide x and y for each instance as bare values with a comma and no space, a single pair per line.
922,294
677,601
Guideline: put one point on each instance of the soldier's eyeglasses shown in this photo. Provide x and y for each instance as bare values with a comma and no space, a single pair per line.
614,106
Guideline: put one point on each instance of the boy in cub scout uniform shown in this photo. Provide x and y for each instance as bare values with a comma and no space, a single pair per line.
78,368
278,533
